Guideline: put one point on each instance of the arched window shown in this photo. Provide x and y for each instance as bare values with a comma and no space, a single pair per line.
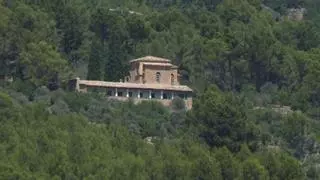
172,78
158,75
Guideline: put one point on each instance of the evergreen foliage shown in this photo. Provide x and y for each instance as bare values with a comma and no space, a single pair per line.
239,57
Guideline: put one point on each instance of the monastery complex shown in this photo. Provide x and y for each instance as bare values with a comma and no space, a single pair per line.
151,78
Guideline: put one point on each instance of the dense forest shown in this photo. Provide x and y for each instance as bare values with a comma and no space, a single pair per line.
240,59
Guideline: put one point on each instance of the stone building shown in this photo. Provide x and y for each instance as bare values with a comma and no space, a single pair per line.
296,14
6,78
151,78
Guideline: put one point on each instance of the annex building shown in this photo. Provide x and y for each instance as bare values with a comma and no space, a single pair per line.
151,78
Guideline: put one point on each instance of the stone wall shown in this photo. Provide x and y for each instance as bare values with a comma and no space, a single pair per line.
165,102
296,14
134,74
165,74
150,74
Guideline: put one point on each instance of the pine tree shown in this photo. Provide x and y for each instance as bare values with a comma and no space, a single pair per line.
95,61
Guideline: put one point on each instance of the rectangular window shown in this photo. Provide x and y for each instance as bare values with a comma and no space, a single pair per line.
120,94
109,93
82,86
153,95
158,75
130,94
141,95
181,96
172,79
92,89
165,96
101,89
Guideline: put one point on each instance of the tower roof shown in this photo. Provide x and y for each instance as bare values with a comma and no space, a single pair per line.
151,59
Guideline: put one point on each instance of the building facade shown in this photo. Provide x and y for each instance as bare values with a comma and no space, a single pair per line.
296,14
6,78
151,78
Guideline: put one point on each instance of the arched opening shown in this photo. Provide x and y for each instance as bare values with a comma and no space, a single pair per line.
172,79
158,75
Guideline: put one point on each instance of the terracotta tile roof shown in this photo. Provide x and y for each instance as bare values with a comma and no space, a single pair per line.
175,67
151,59
158,64
135,85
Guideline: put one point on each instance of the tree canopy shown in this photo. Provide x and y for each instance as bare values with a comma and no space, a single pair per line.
245,59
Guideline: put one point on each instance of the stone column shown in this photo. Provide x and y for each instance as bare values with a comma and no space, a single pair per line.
116,92
150,94
139,94
127,92
172,95
77,84
161,95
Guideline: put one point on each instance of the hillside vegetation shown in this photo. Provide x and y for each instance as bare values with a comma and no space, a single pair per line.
239,59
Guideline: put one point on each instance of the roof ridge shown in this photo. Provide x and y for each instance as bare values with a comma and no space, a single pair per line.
151,58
